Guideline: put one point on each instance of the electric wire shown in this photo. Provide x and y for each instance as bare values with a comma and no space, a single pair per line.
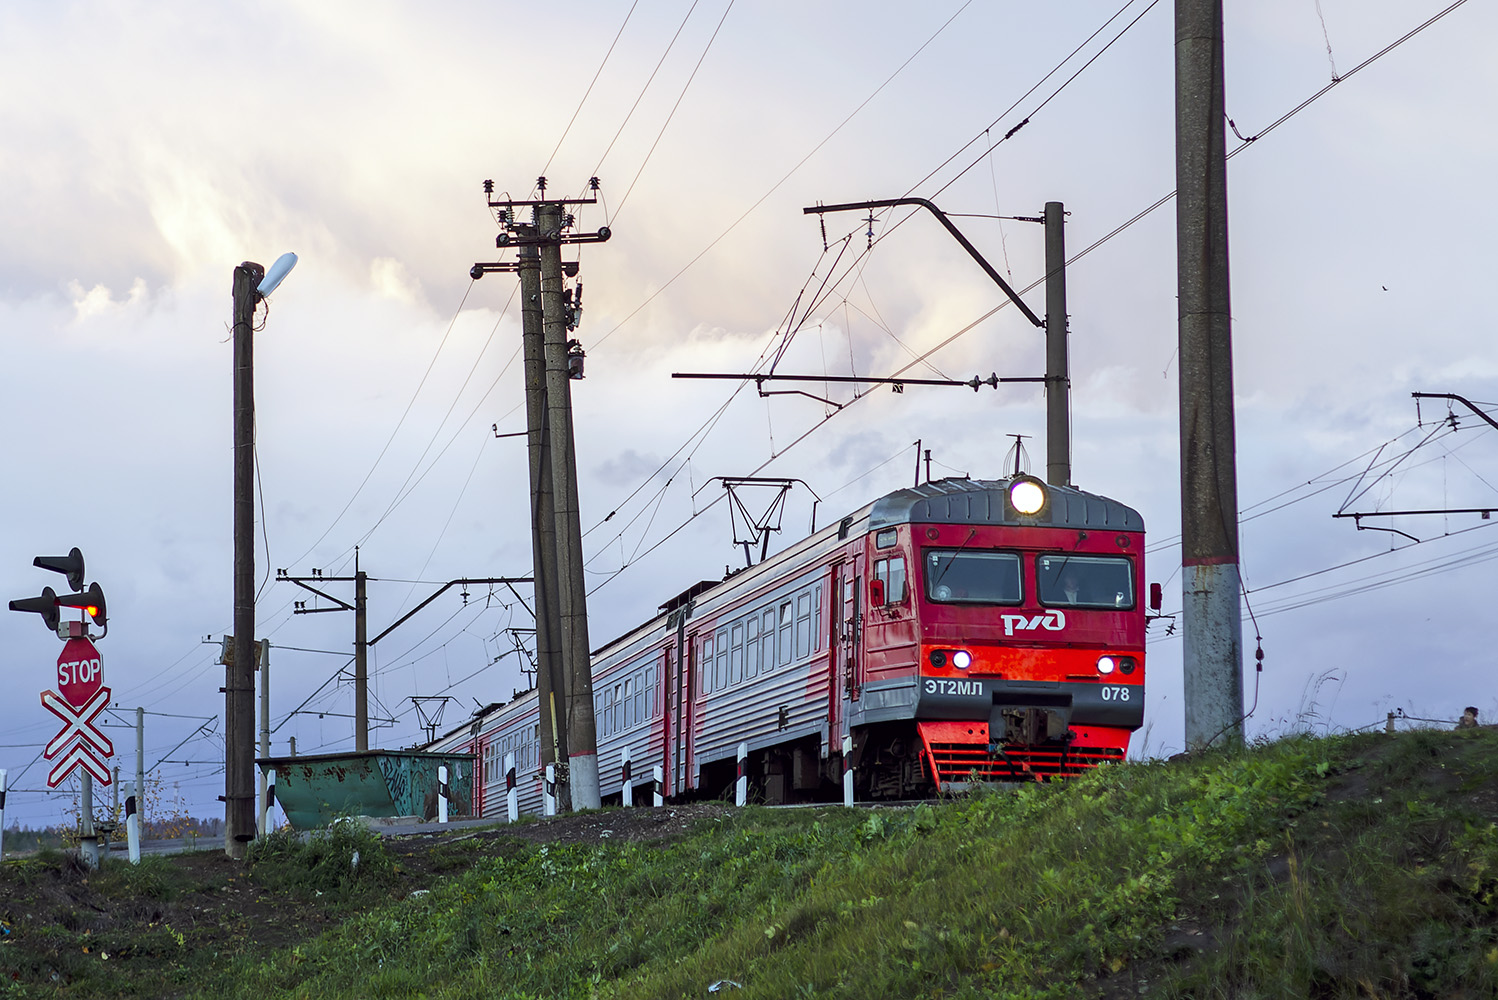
777,185
599,72
396,430
680,97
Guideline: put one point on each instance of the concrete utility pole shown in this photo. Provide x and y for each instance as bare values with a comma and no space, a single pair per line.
140,764
361,662
551,685
239,679
1057,365
564,679
582,737
264,731
1212,590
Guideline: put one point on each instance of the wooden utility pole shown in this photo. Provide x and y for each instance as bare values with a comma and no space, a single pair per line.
582,735
1212,590
550,680
1057,366
239,678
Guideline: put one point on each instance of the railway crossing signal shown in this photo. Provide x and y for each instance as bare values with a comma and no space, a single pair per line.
48,603
81,696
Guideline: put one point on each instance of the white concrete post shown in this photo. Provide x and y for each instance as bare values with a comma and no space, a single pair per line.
660,787
270,799
627,792
549,792
442,793
512,790
847,770
132,826
741,786
2,814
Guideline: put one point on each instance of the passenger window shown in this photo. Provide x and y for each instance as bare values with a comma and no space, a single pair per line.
787,623
767,641
736,656
803,625
751,646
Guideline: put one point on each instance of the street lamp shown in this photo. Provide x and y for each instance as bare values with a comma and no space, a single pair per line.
251,284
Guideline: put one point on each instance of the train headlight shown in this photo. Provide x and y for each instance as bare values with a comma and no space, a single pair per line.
1105,664
1027,495
962,659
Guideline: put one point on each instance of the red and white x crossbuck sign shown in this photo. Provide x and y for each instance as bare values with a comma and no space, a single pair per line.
81,742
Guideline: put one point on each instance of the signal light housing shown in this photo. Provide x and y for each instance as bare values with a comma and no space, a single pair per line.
71,565
91,601
45,605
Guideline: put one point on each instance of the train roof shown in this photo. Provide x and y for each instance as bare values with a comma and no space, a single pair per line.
982,501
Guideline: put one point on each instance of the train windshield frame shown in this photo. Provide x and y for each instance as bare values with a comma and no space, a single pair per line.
973,576
1099,582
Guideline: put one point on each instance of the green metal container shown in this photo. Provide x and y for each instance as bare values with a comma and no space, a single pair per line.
315,790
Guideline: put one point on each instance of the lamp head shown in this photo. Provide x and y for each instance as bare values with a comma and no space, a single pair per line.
278,271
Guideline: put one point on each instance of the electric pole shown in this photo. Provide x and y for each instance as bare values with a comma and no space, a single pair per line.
239,678
551,688
1212,589
551,362
582,735
361,662
1057,365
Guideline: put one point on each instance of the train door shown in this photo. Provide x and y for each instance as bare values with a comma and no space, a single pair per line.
846,661
679,732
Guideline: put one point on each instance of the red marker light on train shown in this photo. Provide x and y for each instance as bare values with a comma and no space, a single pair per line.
938,657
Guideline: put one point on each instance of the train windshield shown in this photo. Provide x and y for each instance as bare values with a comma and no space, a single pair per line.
1075,581
960,576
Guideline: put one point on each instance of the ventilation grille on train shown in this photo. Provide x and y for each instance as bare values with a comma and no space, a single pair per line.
961,762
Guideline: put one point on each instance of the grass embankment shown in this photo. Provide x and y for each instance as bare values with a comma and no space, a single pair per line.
1352,867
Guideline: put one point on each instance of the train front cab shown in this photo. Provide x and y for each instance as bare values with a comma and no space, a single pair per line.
1023,631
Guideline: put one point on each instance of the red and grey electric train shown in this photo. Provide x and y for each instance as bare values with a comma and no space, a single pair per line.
957,630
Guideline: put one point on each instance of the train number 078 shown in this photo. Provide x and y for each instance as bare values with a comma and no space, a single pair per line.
1115,693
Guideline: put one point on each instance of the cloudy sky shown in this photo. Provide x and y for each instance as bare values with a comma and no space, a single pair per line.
149,148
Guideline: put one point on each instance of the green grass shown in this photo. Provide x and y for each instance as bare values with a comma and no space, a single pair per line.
1330,868
1050,891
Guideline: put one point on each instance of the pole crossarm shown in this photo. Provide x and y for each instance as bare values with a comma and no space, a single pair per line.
487,581
956,234
301,582
1460,399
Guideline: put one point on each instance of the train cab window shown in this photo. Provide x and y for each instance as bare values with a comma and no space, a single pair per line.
968,576
787,623
1075,581
890,573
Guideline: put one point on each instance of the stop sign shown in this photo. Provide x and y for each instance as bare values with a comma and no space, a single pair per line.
80,672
